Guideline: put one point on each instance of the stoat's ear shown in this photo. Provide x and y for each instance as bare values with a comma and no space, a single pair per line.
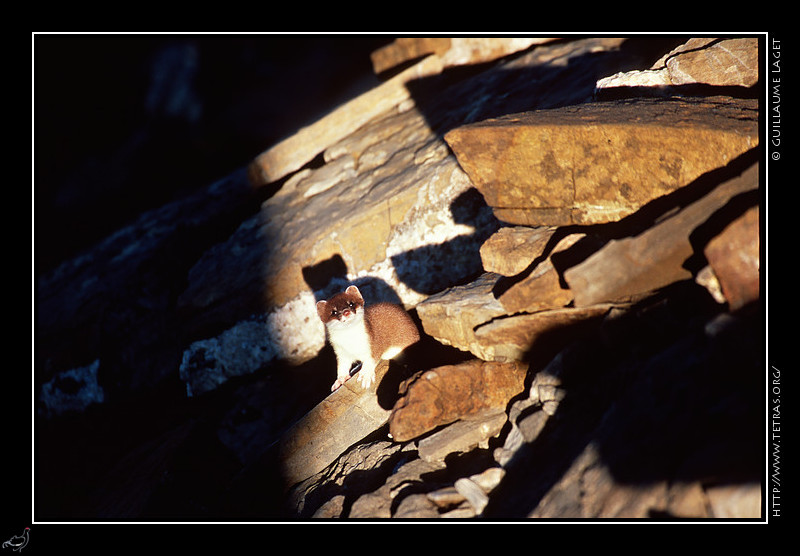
322,309
352,290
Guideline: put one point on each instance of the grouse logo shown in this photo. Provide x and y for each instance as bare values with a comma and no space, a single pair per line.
17,543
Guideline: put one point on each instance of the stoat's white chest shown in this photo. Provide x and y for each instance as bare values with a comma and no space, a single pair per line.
350,338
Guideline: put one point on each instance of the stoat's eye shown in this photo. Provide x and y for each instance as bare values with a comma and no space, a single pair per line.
351,304
334,312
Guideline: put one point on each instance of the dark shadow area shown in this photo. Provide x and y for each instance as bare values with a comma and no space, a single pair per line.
164,457
692,90
432,268
320,276
124,123
255,410
329,277
669,391
544,76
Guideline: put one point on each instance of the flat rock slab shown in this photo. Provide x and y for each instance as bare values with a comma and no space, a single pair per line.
336,423
540,289
728,62
379,226
455,51
512,249
462,436
298,149
598,162
513,337
451,392
734,256
628,267
451,316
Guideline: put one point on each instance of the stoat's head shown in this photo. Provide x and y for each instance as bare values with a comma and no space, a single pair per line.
342,308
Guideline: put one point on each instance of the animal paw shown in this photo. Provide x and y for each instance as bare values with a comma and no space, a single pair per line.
339,382
366,378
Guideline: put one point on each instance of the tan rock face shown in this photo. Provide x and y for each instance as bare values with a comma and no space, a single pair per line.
405,49
708,61
453,315
452,51
655,258
340,420
734,255
512,249
599,162
462,436
728,62
540,288
513,338
445,394
298,149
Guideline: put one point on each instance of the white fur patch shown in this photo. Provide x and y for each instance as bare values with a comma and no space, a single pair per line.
391,352
350,338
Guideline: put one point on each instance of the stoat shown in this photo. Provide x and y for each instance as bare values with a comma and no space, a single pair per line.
366,334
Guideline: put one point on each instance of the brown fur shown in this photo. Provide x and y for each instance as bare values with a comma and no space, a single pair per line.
367,334
388,326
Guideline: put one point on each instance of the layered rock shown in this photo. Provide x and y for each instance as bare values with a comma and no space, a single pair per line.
707,61
512,321
376,226
452,315
735,258
414,224
626,462
390,209
295,151
595,264
455,51
518,337
446,394
531,295
346,416
540,287
655,258
599,162
513,249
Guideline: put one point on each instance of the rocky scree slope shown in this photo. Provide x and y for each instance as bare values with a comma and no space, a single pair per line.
574,225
